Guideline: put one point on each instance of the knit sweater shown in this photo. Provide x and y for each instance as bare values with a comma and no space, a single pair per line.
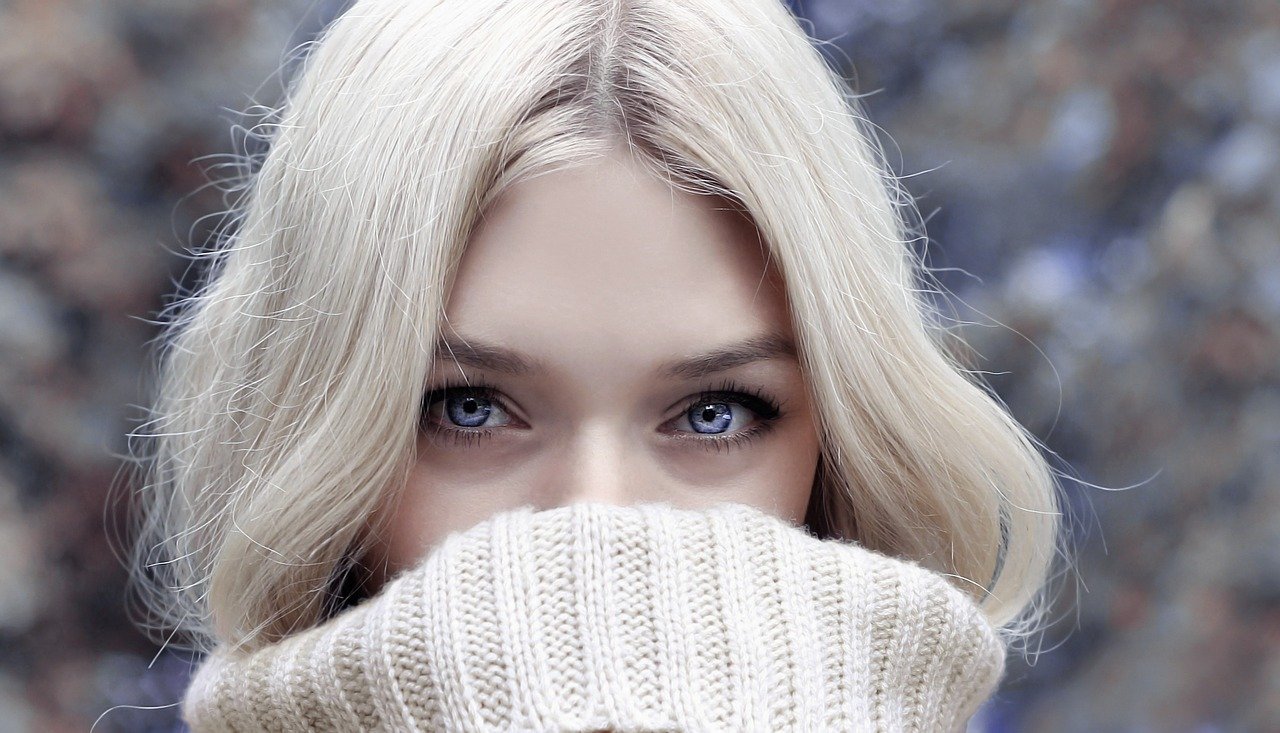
593,617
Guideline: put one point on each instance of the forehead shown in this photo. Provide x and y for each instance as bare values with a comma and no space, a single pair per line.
605,248
601,273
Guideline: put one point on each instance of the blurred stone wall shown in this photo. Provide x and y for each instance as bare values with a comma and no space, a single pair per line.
1100,182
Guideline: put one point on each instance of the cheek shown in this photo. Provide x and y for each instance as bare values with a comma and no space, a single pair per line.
408,531
788,482
435,503
798,449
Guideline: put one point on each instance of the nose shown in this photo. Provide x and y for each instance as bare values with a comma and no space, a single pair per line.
598,466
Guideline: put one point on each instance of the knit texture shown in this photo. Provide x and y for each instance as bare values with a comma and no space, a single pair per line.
593,617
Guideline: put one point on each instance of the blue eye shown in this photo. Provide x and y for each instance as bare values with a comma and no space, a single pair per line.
716,417
469,411
471,407
719,418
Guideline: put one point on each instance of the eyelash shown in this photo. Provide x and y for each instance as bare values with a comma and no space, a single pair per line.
756,400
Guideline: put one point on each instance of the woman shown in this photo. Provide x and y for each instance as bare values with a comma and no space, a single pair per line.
430,443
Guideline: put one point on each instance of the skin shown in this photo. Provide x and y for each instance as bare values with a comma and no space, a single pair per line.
600,275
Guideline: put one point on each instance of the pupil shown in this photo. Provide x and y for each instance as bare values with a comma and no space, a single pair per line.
469,405
708,414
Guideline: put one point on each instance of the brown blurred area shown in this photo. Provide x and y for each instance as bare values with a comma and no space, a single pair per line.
114,118
1100,184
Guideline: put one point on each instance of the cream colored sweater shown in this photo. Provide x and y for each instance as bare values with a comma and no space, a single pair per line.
594,617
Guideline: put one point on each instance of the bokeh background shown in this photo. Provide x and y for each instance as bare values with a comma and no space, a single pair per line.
1100,183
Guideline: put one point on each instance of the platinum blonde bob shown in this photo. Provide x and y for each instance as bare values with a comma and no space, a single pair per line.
289,382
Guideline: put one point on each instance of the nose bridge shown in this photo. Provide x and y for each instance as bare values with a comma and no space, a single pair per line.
598,467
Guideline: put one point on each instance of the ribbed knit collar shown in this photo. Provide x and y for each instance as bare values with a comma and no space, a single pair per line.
595,617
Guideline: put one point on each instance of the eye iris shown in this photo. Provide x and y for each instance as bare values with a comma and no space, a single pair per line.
718,414
475,411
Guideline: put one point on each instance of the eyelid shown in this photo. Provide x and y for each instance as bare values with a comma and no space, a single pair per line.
756,400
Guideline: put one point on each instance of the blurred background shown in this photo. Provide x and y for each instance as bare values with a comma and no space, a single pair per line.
1100,182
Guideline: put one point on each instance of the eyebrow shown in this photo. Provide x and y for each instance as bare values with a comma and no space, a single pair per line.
499,359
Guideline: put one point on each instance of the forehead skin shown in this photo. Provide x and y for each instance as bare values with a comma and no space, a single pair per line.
606,271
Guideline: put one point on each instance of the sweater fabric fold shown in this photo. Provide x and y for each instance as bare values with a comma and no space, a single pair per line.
594,617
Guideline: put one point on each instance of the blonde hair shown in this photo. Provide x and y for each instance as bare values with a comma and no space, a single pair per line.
290,381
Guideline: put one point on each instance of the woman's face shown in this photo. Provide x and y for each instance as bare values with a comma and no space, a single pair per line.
608,339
